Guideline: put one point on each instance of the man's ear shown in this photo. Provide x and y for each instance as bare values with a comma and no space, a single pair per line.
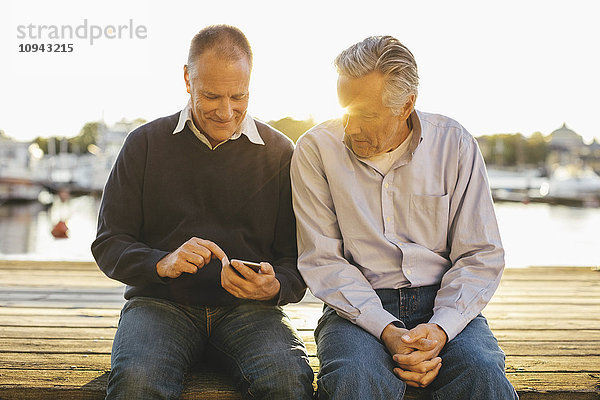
186,77
408,106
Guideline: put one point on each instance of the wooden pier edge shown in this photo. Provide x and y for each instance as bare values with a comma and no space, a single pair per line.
57,321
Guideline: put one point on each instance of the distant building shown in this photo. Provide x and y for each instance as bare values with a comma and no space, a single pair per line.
14,158
565,139
109,143
15,171
566,147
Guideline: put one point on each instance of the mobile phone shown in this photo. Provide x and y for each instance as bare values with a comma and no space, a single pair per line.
253,265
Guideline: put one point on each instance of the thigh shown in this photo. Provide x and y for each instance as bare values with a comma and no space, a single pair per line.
155,343
258,346
472,366
353,363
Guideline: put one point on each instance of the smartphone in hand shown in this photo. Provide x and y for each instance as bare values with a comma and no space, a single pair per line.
253,265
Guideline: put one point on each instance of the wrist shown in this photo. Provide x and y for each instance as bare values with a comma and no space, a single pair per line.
443,333
393,329
274,290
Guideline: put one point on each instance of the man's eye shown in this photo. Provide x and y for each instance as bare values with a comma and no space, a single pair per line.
209,97
239,97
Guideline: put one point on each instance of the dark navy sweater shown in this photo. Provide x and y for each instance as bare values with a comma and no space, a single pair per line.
165,189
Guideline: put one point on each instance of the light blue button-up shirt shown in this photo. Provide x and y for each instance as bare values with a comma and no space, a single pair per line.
429,220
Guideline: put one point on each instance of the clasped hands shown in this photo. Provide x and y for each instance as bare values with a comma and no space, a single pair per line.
415,352
245,283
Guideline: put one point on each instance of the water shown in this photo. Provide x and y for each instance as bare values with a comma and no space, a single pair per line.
533,234
25,229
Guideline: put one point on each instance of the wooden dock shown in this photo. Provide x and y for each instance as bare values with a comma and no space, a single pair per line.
57,321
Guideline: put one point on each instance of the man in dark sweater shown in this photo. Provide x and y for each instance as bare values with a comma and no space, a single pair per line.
187,194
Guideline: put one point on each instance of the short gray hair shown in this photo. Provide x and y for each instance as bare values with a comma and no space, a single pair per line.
387,55
228,41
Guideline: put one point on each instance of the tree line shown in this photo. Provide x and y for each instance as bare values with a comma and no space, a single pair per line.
500,149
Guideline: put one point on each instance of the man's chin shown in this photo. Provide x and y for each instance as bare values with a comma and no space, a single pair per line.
361,151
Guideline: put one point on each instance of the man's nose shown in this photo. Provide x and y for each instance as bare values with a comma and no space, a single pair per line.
350,125
225,111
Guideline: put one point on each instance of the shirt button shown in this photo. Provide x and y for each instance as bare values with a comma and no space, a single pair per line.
388,219
386,185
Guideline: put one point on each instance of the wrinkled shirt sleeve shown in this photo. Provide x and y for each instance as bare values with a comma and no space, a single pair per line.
328,274
476,252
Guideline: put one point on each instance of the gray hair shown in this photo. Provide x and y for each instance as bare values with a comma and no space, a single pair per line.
387,55
228,41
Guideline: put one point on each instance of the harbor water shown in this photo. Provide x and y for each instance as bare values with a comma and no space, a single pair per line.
533,234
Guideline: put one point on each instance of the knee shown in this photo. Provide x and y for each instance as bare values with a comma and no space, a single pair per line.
479,377
290,378
138,381
358,379
487,368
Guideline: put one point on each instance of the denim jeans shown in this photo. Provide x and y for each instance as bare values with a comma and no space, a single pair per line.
356,365
157,341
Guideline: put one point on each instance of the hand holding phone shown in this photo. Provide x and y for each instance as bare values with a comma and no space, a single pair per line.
262,284
255,266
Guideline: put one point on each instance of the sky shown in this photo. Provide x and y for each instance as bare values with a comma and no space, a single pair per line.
495,66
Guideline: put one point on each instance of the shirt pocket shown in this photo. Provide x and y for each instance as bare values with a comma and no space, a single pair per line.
428,221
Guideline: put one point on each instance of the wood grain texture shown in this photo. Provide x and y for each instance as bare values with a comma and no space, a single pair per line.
57,321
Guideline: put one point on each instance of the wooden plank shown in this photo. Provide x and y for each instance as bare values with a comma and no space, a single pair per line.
91,385
493,311
67,291
35,332
56,346
77,384
53,320
27,361
94,361
103,346
81,311
62,265
103,322
551,363
66,361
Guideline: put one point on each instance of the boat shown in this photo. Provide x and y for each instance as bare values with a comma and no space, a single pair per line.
573,185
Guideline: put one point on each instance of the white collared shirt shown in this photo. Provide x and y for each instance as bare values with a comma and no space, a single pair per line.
248,128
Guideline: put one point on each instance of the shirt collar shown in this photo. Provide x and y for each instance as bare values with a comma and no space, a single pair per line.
248,127
417,131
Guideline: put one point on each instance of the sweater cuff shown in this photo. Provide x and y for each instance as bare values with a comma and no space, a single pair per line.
285,295
374,321
153,257
450,320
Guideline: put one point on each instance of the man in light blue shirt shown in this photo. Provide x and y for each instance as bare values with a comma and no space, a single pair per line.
397,235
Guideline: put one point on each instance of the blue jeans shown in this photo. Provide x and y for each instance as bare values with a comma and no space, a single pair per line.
356,365
157,341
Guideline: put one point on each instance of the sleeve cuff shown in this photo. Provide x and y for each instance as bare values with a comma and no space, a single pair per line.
154,257
374,321
450,320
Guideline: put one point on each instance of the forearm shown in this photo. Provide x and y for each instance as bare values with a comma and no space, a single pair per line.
122,258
